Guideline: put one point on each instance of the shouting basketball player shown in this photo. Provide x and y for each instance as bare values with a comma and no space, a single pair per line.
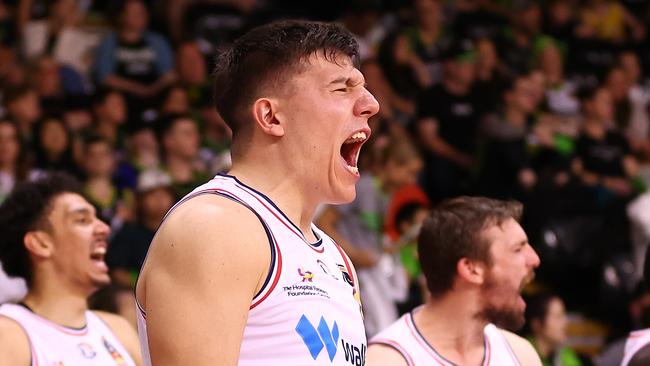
237,273
52,238
476,258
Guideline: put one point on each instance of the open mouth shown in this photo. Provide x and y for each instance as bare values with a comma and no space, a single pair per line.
351,148
97,256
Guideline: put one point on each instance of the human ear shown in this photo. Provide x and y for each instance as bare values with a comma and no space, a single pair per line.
38,243
264,112
471,271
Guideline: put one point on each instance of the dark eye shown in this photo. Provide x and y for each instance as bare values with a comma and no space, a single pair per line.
341,90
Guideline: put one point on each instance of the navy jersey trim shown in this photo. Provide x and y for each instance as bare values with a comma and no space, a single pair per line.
319,240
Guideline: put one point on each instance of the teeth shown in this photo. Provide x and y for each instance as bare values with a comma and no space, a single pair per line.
353,169
99,251
359,136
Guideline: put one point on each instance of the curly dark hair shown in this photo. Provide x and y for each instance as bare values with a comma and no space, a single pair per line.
26,209
266,56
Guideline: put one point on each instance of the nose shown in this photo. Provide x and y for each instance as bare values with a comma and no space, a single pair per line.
101,228
533,258
366,106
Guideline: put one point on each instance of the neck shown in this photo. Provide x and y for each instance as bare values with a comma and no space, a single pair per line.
180,168
459,338
543,347
283,187
151,223
106,129
56,303
515,116
130,35
455,87
8,168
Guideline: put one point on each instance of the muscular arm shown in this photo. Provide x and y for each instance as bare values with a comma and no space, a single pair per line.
205,265
524,351
124,332
383,355
14,344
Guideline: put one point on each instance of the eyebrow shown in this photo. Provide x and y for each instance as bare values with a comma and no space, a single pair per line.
81,211
346,80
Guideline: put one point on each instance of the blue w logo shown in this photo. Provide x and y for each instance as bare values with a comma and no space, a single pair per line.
317,338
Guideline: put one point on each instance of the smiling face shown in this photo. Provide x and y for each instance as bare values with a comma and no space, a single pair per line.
79,242
326,114
513,263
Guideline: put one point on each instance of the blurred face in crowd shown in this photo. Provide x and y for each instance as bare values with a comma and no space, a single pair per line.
538,85
54,137
553,327
182,139
155,203
9,144
77,242
112,109
428,13
190,64
529,19
560,12
326,116
77,119
629,62
99,159
522,96
512,267
47,80
617,83
550,62
601,106
135,16
176,101
26,108
143,148
400,174
487,55
461,72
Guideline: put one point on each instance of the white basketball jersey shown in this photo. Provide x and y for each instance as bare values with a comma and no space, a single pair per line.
405,338
53,344
308,312
635,341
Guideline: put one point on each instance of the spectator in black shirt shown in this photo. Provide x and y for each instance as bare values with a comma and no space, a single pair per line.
603,161
448,116
135,61
506,171
128,247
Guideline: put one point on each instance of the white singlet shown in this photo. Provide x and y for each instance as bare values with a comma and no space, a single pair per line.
635,341
308,312
53,344
405,338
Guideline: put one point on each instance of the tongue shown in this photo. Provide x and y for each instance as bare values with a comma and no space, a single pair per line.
347,152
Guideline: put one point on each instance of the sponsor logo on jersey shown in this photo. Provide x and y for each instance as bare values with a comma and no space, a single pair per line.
87,350
326,269
307,276
353,354
346,275
318,337
117,357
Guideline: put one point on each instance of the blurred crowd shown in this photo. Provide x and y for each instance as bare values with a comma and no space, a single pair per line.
546,102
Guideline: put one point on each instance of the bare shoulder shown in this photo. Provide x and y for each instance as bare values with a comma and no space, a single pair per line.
524,351
14,343
384,355
204,229
117,323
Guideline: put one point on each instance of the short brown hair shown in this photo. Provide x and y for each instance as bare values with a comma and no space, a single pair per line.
452,231
264,58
